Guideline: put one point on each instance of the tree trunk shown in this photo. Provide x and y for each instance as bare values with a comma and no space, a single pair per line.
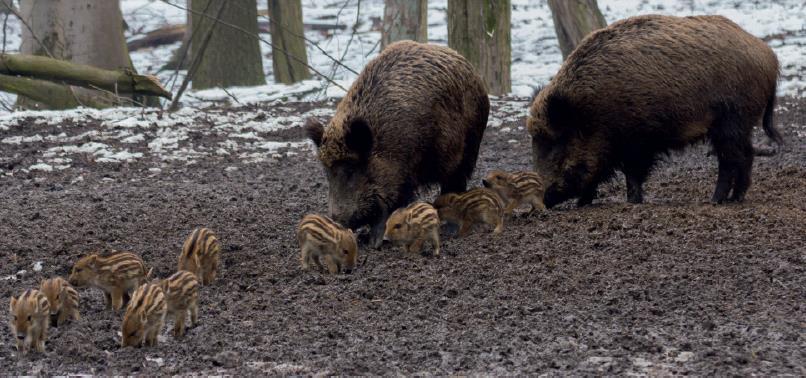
93,30
232,58
88,32
480,31
404,19
43,18
288,56
573,20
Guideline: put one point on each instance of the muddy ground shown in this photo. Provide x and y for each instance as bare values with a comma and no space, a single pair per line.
675,285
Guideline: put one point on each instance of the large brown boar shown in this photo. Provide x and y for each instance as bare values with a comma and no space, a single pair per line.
414,116
646,85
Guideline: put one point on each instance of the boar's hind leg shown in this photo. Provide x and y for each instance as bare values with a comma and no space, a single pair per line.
734,151
743,171
636,173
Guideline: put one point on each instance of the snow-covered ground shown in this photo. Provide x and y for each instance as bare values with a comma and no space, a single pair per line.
536,57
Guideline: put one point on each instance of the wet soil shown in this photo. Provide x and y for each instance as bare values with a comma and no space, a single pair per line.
675,285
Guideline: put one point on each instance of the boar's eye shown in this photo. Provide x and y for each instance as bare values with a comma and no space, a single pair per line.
57,296
29,318
133,334
398,226
346,252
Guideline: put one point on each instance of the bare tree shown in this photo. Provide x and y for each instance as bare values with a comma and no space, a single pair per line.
480,31
289,57
573,20
232,57
81,31
404,19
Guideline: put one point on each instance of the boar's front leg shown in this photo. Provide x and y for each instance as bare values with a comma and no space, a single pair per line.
636,173
588,194
376,233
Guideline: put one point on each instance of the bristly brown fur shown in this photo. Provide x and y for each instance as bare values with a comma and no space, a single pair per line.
646,85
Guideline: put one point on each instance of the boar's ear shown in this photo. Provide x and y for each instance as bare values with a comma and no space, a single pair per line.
11,304
314,129
358,137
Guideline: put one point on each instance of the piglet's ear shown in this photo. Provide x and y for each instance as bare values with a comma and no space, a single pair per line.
315,130
358,137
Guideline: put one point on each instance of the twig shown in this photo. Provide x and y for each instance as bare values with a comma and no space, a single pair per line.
232,96
242,30
5,22
30,29
3,103
197,59
386,31
310,42
349,42
187,48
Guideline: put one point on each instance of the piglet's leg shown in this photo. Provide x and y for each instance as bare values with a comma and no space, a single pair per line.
117,299
511,207
435,240
416,246
332,266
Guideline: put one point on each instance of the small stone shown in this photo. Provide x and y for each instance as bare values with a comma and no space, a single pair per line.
227,359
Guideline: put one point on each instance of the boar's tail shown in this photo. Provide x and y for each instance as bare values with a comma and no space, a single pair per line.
769,121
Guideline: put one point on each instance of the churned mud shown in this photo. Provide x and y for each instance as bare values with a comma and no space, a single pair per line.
675,285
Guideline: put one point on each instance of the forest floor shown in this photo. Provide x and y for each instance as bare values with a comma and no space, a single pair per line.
675,285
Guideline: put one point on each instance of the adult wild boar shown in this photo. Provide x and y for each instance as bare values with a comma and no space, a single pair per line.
415,116
647,85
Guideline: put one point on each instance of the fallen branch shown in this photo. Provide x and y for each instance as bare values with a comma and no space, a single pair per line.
115,81
53,95
162,36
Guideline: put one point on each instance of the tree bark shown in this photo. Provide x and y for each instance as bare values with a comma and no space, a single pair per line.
289,57
480,31
232,58
404,20
573,20
43,18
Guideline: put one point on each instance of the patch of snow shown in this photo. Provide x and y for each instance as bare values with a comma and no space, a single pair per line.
41,167
134,138
37,266
684,357
22,139
159,361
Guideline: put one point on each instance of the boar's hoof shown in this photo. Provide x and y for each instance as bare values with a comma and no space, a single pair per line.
635,198
450,228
